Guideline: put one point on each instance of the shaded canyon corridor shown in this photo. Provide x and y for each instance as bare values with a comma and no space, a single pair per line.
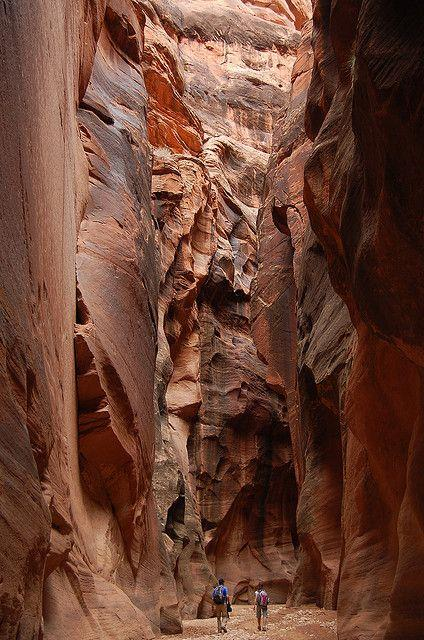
211,314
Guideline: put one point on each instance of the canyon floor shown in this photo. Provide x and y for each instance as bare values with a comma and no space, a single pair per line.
285,623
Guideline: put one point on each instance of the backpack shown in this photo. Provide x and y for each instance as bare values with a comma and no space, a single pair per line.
262,599
218,595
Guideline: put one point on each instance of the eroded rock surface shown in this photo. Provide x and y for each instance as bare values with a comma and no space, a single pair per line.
79,529
364,197
160,426
117,325
43,73
107,555
303,332
357,520
220,74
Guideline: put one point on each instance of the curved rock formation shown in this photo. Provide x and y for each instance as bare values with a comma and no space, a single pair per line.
363,192
202,85
302,330
345,398
222,80
163,421
43,72
76,505
117,324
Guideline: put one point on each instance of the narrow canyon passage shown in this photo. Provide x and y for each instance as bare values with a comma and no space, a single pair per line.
211,317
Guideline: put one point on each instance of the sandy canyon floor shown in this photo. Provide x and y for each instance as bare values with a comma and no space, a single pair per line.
285,623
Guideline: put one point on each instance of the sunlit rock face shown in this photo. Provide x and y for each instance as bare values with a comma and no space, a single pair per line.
363,190
79,550
217,76
115,347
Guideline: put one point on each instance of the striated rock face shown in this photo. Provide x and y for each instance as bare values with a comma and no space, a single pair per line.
364,196
162,424
116,324
135,142
325,339
302,330
43,71
294,299
219,76
354,401
281,229
338,461
79,551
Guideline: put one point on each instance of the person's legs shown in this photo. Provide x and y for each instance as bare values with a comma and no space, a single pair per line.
221,616
258,616
218,618
224,618
264,619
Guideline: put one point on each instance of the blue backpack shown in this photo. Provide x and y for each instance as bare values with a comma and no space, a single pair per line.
218,594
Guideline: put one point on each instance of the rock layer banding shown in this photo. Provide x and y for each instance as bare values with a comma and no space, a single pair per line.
224,441
364,195
189,387
142,177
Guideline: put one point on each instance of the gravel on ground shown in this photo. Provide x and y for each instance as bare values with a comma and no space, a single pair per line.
284,623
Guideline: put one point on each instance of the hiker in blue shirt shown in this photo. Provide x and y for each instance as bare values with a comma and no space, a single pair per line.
220,600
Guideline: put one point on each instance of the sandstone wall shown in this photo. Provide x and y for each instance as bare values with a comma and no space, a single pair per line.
355,435
160,425
303,331
42,72
116,330
354,395
111,250
224,473
364,196
77,512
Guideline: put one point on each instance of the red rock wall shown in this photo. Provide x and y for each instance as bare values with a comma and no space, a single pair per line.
364,196
116,330
135,141
108,553
355,399
213,94
78,525
302,330
43,70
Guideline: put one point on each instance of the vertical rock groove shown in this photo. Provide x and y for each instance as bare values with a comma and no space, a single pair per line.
362,189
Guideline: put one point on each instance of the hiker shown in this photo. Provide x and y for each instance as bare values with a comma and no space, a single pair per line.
261,606
220,600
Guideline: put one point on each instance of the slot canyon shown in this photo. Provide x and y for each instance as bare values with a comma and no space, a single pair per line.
211,313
